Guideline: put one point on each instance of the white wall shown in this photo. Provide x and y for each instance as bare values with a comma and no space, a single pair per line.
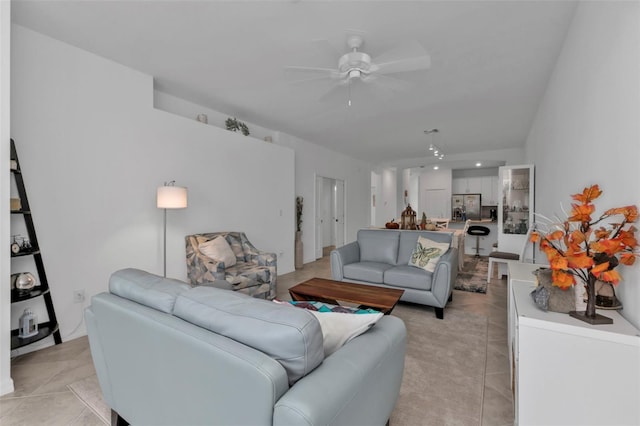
93,150
387,206
587,129
313,160
173,104
435,193
6,384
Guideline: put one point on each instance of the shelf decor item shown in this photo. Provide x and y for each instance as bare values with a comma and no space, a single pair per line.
235,125
23,281
28,324
16,205
588,249
408,218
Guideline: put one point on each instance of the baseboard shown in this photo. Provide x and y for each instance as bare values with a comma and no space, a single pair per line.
6,386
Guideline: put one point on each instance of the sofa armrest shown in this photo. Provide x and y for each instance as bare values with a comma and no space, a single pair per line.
157,369
444,276
356,385
263,258
341,256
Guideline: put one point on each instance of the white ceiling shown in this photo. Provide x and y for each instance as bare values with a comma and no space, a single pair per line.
490,63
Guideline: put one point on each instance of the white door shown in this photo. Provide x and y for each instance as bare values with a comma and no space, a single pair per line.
373,206
327,211
319,219
339,213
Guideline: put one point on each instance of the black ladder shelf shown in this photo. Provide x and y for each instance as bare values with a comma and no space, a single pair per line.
50,327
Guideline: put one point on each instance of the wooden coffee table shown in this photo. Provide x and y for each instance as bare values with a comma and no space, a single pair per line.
329,291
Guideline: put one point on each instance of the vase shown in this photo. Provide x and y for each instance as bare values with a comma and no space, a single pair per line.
299,253
590,315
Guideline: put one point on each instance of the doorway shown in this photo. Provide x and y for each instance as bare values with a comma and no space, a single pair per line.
330,210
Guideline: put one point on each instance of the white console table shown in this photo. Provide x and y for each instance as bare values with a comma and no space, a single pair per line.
566,371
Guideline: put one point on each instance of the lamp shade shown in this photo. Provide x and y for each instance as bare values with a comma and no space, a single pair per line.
172,197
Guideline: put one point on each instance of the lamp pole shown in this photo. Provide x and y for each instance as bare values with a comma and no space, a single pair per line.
170,196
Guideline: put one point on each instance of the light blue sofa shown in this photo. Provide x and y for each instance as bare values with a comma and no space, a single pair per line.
169,354
381,256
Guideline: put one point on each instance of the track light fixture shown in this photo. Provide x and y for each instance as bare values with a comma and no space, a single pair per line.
437,152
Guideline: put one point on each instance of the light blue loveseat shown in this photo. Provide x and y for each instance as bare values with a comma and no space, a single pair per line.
381,256
167,353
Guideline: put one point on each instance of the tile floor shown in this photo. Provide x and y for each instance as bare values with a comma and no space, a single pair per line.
41,395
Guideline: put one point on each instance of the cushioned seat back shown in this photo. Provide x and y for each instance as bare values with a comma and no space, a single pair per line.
378,245
409,240
235,241
147,289
233,238
290,336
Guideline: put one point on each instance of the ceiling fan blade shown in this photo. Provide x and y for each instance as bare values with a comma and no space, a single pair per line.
388,83
410,56
337,94
301,74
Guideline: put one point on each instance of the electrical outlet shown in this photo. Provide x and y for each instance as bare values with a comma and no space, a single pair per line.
78,296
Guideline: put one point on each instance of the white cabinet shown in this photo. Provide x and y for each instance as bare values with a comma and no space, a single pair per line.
459,186
515,207
466,185
487,186
568,372
489,190
474,185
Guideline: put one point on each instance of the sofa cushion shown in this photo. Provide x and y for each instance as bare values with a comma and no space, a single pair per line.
339,324
147,289
378,246
292,337
409,240
405,276
366,271
219,250
427,254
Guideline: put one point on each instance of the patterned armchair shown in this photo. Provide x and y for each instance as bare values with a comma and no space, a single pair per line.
254,273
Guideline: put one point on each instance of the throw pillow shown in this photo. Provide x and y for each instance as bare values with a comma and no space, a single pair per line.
339,324
427,254
219,250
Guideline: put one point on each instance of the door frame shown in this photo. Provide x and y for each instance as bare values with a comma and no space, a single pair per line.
318,240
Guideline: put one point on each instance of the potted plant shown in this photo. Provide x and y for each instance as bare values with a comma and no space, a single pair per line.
299,253
235,125
588,249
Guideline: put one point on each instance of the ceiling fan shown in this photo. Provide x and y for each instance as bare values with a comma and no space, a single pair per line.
358,66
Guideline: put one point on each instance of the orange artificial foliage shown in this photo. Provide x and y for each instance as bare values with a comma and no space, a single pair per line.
627,259
562,279
581,212
575,248
588,194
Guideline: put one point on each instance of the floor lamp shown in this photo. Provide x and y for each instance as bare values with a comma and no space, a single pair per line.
170,197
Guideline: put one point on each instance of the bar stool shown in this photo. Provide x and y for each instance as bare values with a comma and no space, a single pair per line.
478,231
